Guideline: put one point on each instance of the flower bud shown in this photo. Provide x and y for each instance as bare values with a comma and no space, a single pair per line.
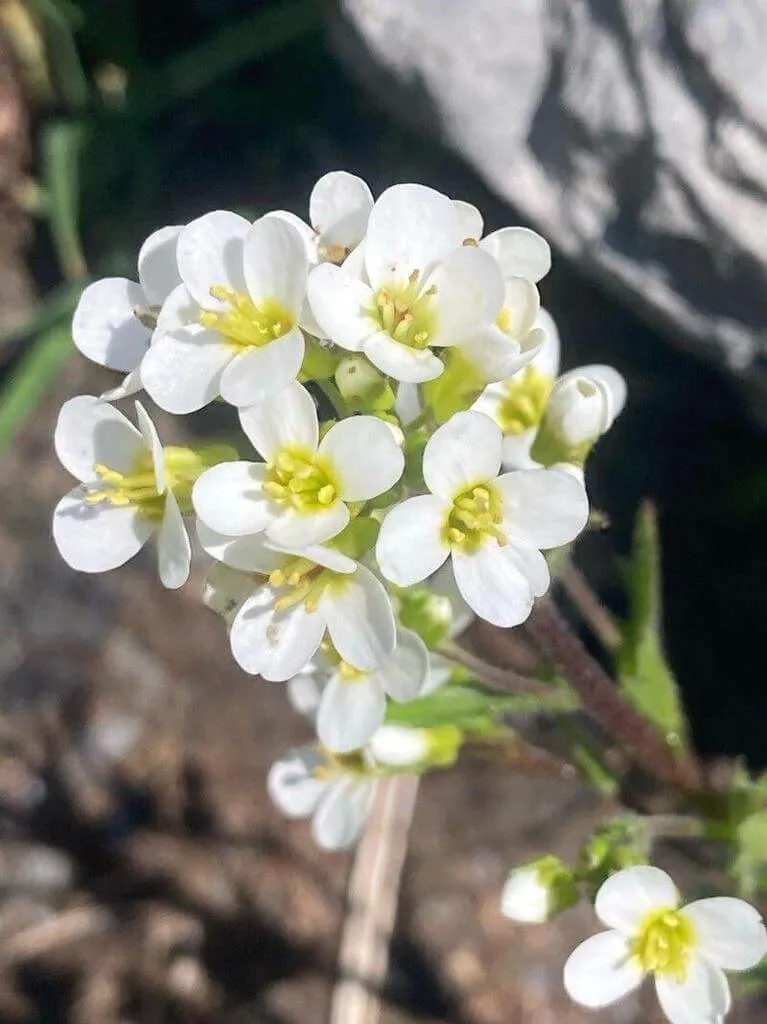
582,407
428,614
537,891
362,386
400,746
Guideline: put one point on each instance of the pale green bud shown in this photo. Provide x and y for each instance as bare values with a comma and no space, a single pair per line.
537,891
362,386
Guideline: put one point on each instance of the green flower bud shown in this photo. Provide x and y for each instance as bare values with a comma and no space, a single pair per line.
537,891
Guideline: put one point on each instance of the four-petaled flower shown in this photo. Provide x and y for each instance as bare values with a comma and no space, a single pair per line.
300,495
232,327
492,527
127,491
687,949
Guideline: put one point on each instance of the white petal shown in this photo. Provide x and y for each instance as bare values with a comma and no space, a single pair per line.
286,419
543,507
412,365
629,895
321,555
158,270
257,373
525,898
96,538
469,294
276,265
178,310
342,812
210,253
228,498
339,208
601,971
360,619
293,530
292,785
547,360
154,445
306,233
399,746
130,385
520,252
463,452
613,383
492,585
364,456
730,932
305,692
702,998
275,645
248,554
406,673
410,228
174,552
182,370
410,545
515,450
342,305
226,590
523,302
495,356
105,328
408,404
88,431
472,224
350,712
531,564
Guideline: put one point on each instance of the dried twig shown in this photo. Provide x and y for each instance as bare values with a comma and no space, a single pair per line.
363,956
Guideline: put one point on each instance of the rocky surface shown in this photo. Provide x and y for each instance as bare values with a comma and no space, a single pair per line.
632,134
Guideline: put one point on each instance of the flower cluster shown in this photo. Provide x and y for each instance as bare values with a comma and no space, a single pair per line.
395,415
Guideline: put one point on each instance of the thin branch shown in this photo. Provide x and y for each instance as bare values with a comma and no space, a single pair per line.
593,612
373,894
600,697
500,678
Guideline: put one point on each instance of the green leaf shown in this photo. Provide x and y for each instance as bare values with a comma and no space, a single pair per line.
749,865
58,21
644,675
31,379
473,707
62,147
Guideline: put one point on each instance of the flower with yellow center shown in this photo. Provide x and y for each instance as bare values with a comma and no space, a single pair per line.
300,495
687,949
411,288
491,527
131,490
231,328
296,598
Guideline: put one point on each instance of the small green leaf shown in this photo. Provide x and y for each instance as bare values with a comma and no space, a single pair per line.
644,675
62,148
749,865
29,381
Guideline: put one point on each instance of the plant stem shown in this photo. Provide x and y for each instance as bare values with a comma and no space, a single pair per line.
601,699
672,826
334,396
499,678
594,614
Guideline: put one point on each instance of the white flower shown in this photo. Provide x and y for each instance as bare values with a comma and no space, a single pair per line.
298,497
353,702
232,327
297,598
687,948
335,792
114,319
410,287
492,527
339,209
127,491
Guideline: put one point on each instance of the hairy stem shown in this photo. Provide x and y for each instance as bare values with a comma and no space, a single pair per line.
601,699
499,678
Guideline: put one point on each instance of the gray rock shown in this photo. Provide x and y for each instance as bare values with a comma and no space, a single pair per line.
632,133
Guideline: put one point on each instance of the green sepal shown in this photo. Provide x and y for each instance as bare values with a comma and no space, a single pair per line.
319,362
357,538
456,389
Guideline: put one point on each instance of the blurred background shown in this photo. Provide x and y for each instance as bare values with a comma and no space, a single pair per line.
144,877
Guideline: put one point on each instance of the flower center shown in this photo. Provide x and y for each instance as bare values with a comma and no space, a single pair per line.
664,943
300,482
336,765
137,487
304,582
524,401
405,312
246,323
350,674
474,518
333,253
